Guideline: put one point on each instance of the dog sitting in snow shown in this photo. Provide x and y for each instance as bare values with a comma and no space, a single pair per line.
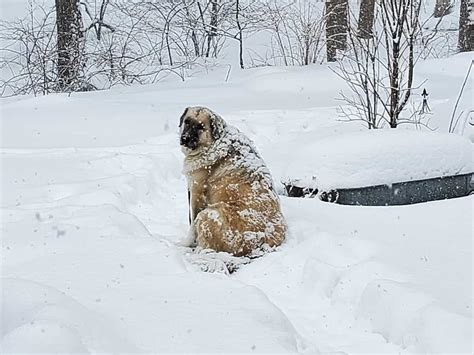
233,205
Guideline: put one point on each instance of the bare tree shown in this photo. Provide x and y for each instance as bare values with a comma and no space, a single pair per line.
69,43
210,22
141,45
28,53
97,21
466,26
400,27
191,22
307,24
442,8
212,29
296,29
379,71
141,41
239,34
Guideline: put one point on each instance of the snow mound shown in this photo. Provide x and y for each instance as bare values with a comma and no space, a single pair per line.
379,157
37,318
411,319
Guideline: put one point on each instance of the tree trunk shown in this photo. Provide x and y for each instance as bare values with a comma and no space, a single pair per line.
69,27
466,26
394,85
240,34
212,26
103,8
342,22
331,45
336,27
442,8
167,39
192,23
366,18
195,43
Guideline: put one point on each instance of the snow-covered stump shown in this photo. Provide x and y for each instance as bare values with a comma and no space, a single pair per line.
381,168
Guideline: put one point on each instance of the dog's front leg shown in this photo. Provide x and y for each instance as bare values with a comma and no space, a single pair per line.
198,199
197,202
190,238
189,208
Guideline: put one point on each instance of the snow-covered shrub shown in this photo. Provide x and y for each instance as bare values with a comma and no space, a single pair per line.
379,69
296,32
124,42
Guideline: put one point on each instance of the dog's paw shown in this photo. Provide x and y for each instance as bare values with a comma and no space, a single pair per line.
264,249
216,262
206,263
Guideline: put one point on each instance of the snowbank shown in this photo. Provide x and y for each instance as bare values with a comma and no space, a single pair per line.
378,157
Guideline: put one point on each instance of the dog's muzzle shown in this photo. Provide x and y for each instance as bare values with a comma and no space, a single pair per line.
189,141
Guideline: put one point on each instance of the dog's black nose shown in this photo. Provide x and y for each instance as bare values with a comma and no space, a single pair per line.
190,136
189,142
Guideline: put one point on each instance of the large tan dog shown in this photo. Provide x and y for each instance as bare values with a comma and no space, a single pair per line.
233,205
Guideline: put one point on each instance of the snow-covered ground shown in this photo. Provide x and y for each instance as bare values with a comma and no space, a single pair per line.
94,205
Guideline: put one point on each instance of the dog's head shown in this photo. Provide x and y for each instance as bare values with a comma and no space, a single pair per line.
199,128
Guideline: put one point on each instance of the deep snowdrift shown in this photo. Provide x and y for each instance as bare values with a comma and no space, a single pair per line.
94,204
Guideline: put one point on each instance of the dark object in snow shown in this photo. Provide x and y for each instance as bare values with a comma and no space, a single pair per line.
402,193
296,191
425,107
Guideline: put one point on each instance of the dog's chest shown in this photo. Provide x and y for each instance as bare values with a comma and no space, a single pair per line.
209,184
203,183
198,182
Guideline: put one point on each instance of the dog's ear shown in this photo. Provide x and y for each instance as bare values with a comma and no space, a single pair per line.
181,119
217,125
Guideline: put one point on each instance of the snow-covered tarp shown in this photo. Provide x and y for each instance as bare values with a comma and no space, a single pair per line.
378,157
